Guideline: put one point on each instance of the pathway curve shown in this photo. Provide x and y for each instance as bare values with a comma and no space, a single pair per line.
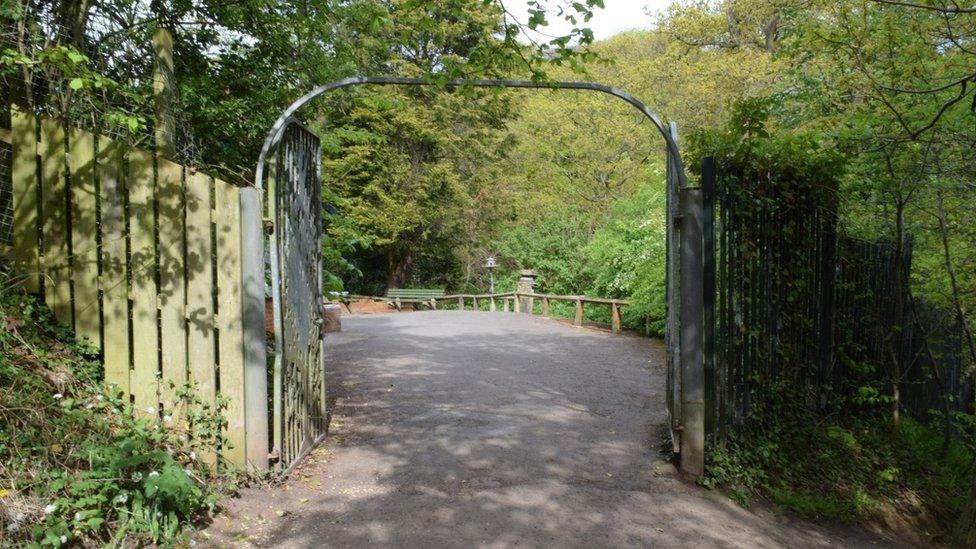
476,429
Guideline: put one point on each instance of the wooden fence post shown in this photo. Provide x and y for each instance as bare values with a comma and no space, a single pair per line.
475,303
578,320
164,90
545,306
255,349
491,303
460,303
615,318
517,303
505,305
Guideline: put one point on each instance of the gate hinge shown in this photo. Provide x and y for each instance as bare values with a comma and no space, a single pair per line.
268,226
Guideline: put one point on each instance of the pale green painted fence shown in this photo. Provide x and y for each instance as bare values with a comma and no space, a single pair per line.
146,259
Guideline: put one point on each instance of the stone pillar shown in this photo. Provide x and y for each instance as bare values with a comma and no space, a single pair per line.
526,285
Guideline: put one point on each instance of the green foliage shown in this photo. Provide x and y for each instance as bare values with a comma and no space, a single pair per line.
626,257
850,468
80,464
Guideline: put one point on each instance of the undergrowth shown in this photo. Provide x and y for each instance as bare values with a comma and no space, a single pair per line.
847,467
78,464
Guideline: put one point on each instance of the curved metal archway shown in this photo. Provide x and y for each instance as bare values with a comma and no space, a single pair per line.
275,133
678,365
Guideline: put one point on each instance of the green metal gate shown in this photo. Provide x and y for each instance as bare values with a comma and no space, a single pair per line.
295,203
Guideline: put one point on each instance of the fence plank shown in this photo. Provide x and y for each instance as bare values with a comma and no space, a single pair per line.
200,290
229,311
142,265
115,295
57,289
172,294
25,251
84,230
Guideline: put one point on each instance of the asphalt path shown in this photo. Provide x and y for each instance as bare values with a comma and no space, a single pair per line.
477,429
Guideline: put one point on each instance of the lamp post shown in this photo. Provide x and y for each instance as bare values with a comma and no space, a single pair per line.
490,264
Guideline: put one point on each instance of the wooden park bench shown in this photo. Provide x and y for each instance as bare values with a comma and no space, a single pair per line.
429,297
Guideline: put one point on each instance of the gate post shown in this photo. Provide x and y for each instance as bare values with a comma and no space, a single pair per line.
526,285
692,312
255,350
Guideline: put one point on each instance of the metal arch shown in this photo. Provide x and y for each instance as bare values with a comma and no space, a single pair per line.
676,180
275,133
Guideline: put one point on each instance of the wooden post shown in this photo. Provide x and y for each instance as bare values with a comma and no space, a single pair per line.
475,302
505,305
578,321
433,304
255,350
397,304
460,303
517,303
692,311
164,89
545,306
615,316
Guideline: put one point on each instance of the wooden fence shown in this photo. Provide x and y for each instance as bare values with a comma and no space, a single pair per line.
146,260
524,302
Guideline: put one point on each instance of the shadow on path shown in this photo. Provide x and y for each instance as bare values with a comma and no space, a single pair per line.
463,429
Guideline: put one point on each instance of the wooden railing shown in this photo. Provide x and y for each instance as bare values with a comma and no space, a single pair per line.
523,302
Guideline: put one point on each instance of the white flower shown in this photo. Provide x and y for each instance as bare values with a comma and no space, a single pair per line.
193,456
151,410
64,539
154,473
89,406
99,397
13,527
159,514
58,396
122,498
167,418
50,509
136,477
78,516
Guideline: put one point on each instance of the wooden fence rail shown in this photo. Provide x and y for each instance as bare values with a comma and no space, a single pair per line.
524,302
143,258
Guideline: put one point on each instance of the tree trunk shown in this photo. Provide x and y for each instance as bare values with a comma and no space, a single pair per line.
898,320
399,266
961,316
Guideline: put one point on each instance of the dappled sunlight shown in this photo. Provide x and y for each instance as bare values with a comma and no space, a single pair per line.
476,429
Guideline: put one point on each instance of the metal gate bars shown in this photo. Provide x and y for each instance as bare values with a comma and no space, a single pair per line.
299,409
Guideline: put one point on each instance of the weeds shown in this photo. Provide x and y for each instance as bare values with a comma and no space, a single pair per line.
78,464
